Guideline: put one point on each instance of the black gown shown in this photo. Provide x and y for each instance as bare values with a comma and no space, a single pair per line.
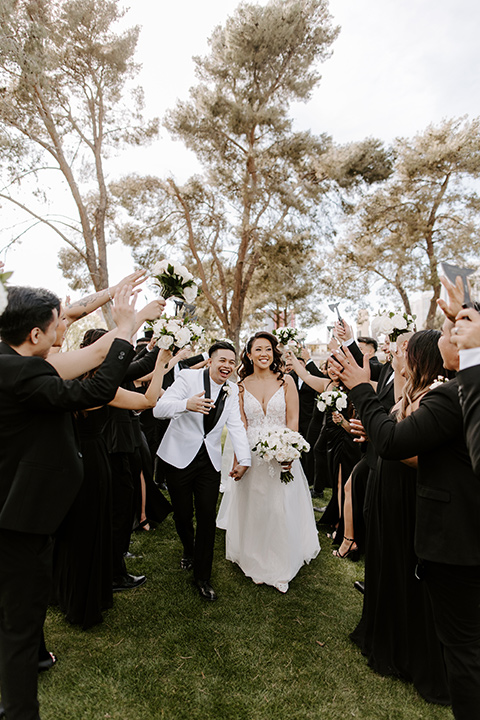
396,631
83,546
342,452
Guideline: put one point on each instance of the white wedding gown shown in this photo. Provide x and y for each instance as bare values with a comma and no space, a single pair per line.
270,525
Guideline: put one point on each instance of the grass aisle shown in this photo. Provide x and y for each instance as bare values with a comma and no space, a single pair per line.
255,654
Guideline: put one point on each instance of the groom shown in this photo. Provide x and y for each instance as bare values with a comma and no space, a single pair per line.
200,403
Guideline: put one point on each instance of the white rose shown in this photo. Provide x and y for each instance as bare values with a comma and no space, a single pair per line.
158,327
321,405
172,326
283,455
160,267
341,403
190,293
3,297
182,337
399,322
165,342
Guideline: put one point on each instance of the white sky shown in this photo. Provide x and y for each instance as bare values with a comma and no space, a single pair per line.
397,66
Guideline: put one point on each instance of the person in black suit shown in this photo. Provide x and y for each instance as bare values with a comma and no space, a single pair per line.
40,472
447,540
467,339
306,397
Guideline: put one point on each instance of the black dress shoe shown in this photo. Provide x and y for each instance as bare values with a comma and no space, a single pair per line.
360,586
46,663
206,590
127,582
186,563
2,710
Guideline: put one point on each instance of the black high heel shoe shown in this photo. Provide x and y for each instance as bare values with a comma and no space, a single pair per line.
352,553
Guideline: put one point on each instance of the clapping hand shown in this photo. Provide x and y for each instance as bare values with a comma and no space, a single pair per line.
348,371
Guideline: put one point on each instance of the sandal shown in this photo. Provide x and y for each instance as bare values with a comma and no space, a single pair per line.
352,553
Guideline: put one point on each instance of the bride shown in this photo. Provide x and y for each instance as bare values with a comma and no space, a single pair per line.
270,525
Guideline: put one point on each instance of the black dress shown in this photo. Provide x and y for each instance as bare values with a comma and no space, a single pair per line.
342,453
83,547
396,631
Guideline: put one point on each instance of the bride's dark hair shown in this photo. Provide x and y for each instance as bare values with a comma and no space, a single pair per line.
246,365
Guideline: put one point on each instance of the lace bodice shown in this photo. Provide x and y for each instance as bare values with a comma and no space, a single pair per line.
257,420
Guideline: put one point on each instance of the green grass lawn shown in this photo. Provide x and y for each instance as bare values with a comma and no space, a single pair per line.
163,652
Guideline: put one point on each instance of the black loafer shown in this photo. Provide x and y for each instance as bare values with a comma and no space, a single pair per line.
186,563
360,586
206,590
127,582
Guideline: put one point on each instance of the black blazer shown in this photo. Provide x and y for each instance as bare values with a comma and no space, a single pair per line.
40,462
448,491
306,397
469,390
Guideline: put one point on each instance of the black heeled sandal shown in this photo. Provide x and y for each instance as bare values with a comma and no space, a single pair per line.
352,553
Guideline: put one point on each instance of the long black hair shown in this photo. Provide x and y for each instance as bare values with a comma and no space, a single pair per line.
424,365
246,365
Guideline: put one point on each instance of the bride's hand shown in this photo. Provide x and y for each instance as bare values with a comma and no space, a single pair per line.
238,471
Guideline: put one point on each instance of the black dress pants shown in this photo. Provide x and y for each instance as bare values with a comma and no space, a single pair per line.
454,592
195,487
25,585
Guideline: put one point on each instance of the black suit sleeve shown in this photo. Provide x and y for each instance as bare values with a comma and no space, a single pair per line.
189,362
469,390
437,421
39,387
143,364
313,369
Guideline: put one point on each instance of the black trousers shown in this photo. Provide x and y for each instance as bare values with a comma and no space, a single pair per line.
196,488
25,585
125,487
454,592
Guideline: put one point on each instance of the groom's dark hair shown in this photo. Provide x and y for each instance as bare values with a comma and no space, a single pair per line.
221,345
27,308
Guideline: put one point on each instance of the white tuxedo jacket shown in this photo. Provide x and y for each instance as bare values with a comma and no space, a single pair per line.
185,433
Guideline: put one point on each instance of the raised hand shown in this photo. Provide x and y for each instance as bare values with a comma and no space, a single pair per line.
134,279
153,310
124,312
342,331
348,371
199,403
466,333
456,297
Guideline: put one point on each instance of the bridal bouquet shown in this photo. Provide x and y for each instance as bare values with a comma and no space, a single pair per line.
175,280
288,336
393,324
175,332
284,446
332,400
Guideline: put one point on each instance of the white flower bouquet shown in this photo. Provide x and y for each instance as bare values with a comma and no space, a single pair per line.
174,280
175,332
332,400
393,324
284,446
288,335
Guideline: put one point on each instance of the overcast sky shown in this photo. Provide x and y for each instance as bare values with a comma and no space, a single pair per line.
397,66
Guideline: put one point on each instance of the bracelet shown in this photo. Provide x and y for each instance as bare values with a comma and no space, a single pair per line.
109,294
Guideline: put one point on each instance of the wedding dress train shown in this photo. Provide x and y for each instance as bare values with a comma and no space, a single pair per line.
270,525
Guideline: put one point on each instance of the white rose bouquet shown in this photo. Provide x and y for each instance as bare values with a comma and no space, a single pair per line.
284,446
174,280
174,332
288,335
393,324
332,400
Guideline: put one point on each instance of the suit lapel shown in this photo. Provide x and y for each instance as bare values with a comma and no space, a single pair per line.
208,394
210,420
